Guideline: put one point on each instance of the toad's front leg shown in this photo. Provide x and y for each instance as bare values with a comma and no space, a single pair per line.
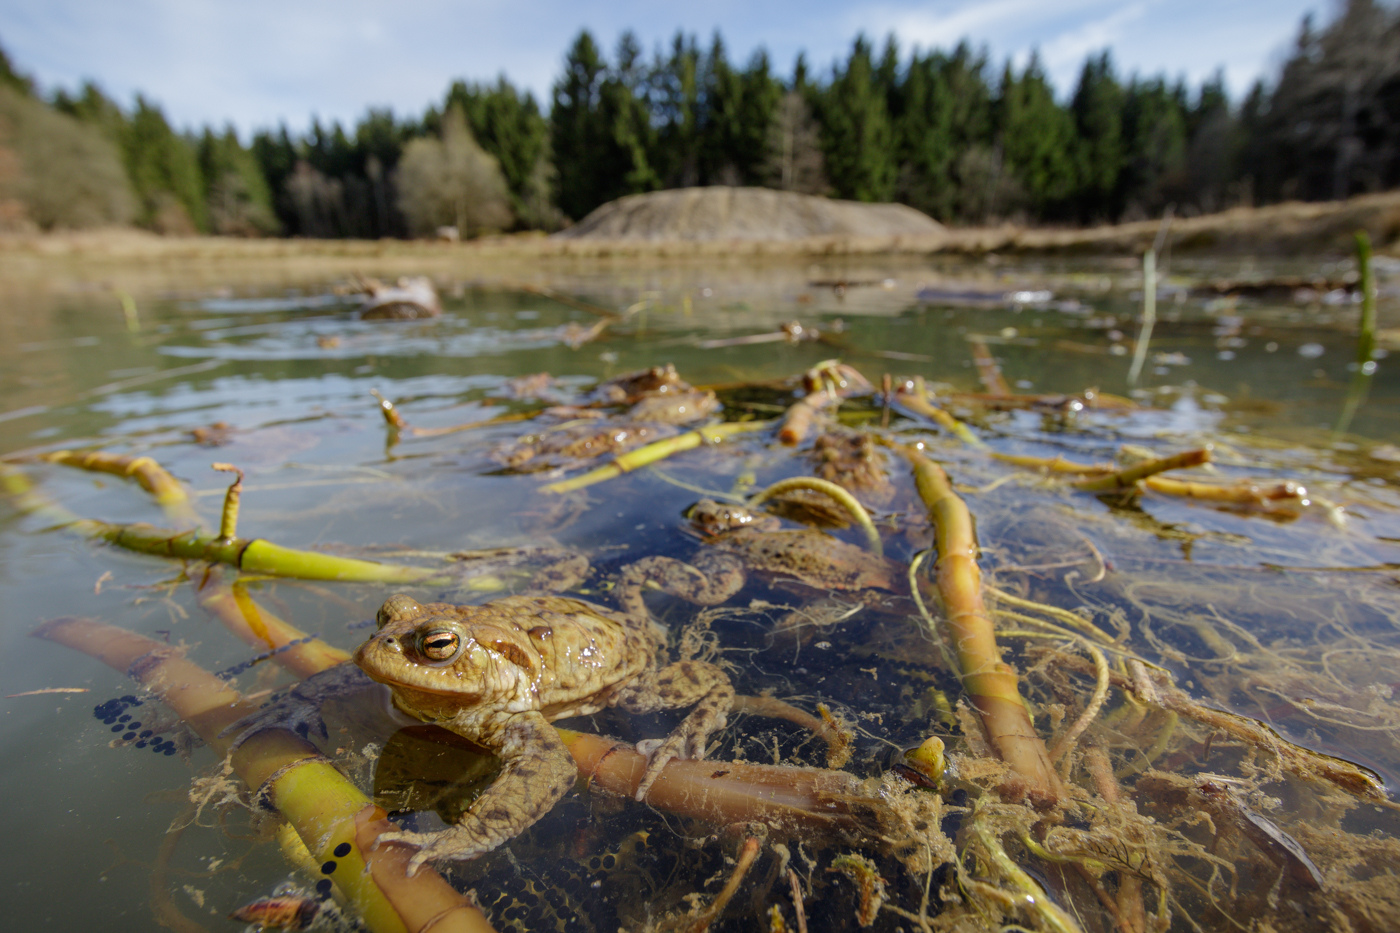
538,770
681,684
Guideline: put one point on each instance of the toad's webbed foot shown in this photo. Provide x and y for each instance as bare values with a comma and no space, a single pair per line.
299,709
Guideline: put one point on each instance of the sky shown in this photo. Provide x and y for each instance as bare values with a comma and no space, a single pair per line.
260,63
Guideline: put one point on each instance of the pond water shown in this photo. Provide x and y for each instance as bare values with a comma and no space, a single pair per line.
1285,614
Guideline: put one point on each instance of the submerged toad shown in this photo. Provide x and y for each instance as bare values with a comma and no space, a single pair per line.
499,673
806,557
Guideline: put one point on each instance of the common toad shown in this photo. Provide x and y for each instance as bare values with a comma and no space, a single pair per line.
499,673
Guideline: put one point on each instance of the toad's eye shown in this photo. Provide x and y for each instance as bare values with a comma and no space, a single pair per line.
440,645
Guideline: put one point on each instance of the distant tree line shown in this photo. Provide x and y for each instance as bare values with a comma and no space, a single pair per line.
944,131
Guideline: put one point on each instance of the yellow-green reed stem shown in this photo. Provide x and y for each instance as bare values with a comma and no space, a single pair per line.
169,493
254,555
918,402
991,684
228,518
293,650
1096,699
1149,314
392,418
832,490
1129,478
658,450
250,555
1366,340
1056,464
133,317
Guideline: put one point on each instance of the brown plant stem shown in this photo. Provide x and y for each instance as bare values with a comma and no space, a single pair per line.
991,684
802,800
1130,477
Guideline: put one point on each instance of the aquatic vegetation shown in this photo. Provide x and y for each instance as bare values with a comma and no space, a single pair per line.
1086,695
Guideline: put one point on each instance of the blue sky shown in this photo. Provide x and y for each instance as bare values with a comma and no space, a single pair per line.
260,62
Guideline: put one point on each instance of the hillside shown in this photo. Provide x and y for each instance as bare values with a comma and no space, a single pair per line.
723,213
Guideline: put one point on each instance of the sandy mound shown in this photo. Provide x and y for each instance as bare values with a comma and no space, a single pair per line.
720,213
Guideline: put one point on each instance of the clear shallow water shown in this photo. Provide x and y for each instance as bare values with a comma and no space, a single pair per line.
292,377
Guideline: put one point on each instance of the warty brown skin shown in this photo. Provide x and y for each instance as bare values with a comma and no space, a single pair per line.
499,673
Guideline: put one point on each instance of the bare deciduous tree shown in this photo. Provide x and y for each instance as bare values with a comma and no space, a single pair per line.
795,161
452,181
64,174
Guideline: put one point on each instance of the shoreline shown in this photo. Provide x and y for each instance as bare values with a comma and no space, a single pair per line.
137,260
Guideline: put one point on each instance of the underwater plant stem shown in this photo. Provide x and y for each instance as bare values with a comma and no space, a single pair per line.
1149,314
990,683
285,770
1130,477
838,493
1084,626
1034,897
168,492
235,607
916,399
1091,709
1366,339
748,853
794,799
658,450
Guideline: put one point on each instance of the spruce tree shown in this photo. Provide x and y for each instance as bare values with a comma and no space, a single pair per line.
1097,107
857,136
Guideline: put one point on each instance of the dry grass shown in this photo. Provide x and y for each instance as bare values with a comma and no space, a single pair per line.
132,259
